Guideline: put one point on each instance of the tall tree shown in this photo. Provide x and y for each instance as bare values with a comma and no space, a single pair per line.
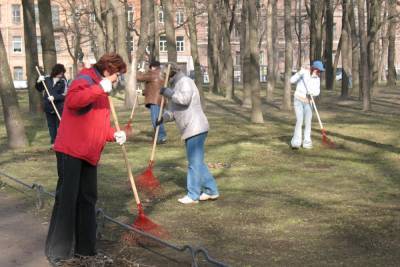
345,50
254,67
212,47
170,29
286,104
100,32
144,28
12,116
316,18
31,55
110,26
392,42
364,66
245,54
227,22
270,51
329,75
47,35
355,41
298,26
156,51
153,27
190,11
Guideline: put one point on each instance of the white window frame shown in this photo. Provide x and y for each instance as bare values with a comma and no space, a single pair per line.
161,15
130,13
179,17
180,44
16,13
18,76
16,42
163,43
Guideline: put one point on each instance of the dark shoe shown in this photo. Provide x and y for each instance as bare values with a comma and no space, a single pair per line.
55,262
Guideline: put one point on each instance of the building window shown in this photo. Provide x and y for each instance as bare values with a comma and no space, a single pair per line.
180,44
39,44
130,14
179,17
17,44
261,60
161,15
163,43
55,14
131,43
237,58
16,14
18,74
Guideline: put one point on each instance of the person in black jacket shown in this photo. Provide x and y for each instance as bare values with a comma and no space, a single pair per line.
57,86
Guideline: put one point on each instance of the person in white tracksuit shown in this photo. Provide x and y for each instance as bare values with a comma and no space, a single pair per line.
307,85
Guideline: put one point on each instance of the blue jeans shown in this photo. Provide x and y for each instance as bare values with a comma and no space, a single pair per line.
303,113
154,110
199,178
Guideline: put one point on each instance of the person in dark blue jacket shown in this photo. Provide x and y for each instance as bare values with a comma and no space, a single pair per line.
57,86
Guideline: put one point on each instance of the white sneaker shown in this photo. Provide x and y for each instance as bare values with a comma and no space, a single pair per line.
187,200
205,196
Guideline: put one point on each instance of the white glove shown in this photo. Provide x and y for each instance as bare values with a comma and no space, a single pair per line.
120,137
40,79
51,98
303,71
106,84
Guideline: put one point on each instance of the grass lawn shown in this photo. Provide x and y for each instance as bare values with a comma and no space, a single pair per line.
279,207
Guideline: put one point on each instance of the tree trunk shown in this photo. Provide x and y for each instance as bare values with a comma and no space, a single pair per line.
286,104
12,116
346,51
329,75
227,62
47,35
383,50
152,33
170,30
355,41
374,12
144,30
299,31
392,43
110,26
245,53
270,52
213,69
31,55
100,34
317,12
254,67
156,51
131,79
365,72
190,11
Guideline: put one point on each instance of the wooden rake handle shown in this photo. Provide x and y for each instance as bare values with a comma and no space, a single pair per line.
48,94
127,164
313,105
153,151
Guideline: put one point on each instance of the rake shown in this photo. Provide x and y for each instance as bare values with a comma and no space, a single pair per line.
128,126
146,180
325,140
48,94
142,222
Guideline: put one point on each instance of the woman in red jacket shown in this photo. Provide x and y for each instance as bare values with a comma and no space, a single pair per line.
84,129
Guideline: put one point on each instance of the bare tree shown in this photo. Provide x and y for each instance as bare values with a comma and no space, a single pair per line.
12,116
270,50
190,11
144,34
346,52
254,67
286,104
329,75
245,54
392,42
31,55
365,71
99,31
213,69
47,35
316,19
110,26
170,29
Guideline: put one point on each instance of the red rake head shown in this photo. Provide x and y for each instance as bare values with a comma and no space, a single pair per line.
128,128
144,224
147,181
326,141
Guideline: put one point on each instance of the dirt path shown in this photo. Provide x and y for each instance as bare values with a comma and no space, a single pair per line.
22,236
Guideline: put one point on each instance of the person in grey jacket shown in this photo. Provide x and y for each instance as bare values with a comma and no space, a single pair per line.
184,106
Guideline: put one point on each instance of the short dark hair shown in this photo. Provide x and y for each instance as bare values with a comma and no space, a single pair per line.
111,62
155,63
57,69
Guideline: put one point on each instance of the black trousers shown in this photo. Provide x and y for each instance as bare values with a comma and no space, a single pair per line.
72,227
52,122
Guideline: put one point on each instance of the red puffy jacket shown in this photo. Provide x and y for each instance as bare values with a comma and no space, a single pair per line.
85,124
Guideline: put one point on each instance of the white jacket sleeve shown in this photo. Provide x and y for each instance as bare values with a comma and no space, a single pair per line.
183,94
295,77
